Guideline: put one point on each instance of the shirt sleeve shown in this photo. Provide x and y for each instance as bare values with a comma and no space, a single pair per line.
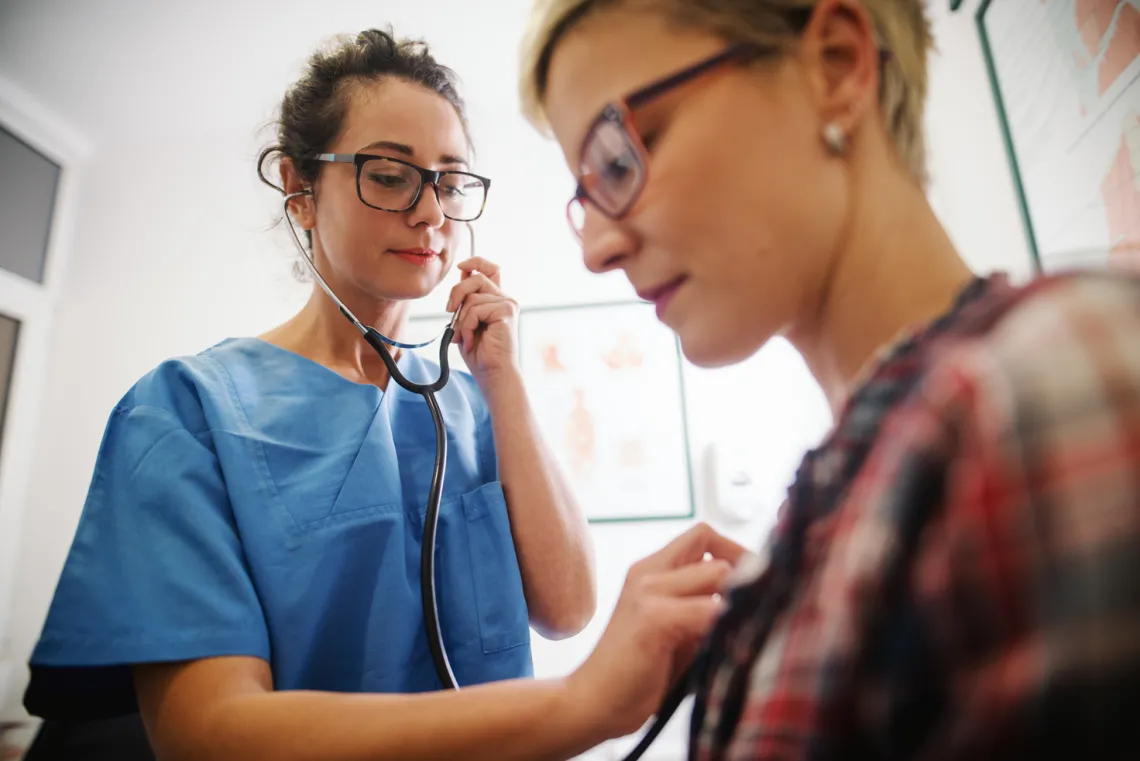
156,572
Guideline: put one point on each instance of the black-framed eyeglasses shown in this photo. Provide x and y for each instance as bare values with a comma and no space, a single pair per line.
390,184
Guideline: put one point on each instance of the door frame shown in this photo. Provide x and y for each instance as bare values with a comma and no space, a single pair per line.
33,304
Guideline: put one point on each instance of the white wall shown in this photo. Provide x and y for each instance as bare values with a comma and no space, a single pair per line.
171,254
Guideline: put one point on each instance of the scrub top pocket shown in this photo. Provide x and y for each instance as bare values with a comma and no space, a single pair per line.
503,618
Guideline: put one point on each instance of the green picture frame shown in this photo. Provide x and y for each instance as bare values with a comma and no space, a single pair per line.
1007,136
1084,123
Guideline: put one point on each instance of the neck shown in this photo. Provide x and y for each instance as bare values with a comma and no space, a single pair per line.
321,333
896,270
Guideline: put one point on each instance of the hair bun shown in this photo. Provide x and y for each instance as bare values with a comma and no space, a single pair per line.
378,40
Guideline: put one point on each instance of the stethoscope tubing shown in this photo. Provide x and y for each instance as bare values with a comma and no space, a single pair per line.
379,342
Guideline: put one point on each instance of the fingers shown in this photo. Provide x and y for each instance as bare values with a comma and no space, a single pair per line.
472,284
704,578
723,548
478,264
690,619
483,309
476,299
690,547
683,599
682,602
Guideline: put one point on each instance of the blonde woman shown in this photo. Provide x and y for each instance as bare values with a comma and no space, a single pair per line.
955,571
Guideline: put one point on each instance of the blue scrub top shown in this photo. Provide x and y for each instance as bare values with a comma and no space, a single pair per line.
248,501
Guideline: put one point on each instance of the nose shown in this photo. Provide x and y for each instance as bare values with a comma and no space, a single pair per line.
427,210
605,245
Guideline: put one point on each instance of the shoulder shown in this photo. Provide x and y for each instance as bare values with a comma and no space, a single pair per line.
165,408
1060,341
1027,378
1064,327
1042,404
180,389
189,394
230,381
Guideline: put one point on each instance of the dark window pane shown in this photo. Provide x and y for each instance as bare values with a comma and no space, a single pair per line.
27,198
9,333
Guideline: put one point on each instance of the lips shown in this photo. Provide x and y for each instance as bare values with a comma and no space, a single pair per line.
421,257
661,295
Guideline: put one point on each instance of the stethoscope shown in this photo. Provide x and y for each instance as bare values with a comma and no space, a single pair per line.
380,343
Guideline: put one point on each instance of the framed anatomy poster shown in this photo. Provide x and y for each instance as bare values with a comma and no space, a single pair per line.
1066,77
606,385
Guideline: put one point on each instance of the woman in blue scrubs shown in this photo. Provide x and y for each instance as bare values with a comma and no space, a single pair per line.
249,551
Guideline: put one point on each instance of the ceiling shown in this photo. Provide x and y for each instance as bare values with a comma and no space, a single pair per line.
145,71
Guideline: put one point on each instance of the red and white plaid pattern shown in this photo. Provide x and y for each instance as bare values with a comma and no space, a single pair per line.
956,572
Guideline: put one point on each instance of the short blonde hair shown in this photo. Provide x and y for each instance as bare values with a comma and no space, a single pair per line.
901,25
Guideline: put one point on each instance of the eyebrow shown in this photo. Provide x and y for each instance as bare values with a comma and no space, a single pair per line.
410,152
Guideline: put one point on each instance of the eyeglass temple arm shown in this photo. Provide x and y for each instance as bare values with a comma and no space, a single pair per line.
651,91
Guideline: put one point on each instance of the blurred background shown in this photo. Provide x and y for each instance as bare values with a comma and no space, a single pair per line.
138,124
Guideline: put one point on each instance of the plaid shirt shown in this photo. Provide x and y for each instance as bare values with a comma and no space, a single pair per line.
956,571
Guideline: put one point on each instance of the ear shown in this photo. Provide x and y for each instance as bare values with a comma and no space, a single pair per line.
842,56
302,206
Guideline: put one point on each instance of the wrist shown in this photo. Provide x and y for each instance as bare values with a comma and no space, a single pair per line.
581,710
500,383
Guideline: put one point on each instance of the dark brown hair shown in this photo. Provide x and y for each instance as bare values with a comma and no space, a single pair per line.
313,110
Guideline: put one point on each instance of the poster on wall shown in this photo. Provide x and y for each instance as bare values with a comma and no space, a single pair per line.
606,386
1066,76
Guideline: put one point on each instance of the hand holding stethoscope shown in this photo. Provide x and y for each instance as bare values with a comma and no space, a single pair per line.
644,662
485,328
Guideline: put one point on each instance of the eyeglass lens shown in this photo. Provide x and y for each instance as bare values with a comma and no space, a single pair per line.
613,171
392,186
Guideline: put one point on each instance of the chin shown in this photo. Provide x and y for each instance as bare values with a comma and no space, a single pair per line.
710,349
404,288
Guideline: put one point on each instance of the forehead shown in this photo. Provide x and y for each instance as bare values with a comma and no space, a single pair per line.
402,112
611,54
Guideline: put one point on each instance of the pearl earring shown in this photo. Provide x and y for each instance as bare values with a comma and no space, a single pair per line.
834,138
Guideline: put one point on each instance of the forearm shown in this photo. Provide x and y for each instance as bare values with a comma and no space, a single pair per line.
521,719
551,538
